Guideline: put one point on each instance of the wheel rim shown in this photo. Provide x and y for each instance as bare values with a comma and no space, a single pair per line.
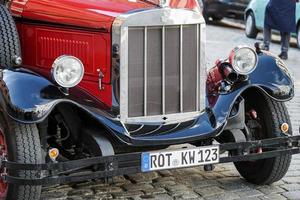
3,153
249,24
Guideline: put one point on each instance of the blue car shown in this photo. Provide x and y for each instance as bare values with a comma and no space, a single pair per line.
254,18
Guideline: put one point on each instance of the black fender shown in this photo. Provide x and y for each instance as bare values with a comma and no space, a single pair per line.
29,98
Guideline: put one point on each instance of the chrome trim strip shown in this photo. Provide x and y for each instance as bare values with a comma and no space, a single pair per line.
203,72
198,70
124,75
145,71
181,68
163,70
148,133
158,119
142,126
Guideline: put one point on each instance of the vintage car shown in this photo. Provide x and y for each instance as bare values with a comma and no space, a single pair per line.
255,15
218,9
98,88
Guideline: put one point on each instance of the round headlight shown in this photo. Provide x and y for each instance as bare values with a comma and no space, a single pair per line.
243,60
67,71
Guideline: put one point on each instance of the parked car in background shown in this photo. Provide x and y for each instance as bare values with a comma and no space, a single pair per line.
218,9
255,15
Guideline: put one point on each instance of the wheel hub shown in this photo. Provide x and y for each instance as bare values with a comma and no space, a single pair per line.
3,154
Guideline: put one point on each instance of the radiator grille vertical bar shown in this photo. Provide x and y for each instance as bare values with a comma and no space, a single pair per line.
189,58
145,71
136,72
154,72
172,71
181,70
163,70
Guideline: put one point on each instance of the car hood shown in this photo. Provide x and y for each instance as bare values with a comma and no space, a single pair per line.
98,14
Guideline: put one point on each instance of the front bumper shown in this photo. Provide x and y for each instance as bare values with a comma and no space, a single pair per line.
60,173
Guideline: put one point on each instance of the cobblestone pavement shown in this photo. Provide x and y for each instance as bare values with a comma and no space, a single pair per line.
223,183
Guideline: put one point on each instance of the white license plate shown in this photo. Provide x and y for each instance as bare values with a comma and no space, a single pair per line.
170,159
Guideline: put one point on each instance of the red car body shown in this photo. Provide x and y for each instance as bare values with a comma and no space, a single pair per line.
79,28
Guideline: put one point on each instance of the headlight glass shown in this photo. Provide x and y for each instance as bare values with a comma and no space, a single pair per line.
67,71
244,60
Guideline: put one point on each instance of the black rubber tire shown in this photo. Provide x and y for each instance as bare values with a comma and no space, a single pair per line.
251,31
216,19
272,115
23,143
9,38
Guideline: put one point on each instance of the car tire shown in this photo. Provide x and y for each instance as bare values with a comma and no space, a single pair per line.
21,144
217,19
298,36
271,115
9,39
250,29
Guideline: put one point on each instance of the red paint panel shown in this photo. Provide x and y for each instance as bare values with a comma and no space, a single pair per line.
41,45
98,14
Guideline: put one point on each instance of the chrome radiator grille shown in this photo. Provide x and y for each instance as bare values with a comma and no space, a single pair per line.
163,70
159,57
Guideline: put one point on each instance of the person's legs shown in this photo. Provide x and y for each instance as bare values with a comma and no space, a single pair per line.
285,41
285,44
267,38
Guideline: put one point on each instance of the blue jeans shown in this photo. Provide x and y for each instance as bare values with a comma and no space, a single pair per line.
285,39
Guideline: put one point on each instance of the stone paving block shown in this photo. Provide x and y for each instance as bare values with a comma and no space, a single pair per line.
209,191
273,197
249,193
270,189
229,174
293,173
206,183
158,197
75,198
53,194
233,184
291,187
191,181
155,191
187,195
127,194
177,190
291,179
164,183
212,175
224,196
295,195
249,198
81,192
98,190
143,177
138,187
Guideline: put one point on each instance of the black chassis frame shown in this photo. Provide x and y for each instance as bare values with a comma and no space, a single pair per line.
124,164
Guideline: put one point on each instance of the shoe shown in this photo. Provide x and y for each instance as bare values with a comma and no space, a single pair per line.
283,55
265,48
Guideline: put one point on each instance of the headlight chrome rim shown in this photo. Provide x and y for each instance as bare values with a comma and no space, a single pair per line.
58,64
232,59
